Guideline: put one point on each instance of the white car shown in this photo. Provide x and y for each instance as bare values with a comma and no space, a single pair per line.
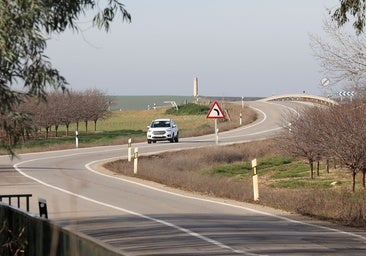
162,129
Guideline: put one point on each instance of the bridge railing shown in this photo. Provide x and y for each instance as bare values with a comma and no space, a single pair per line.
17,197
301,97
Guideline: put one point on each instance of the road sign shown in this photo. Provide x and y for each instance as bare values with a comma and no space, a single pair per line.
325,82
215,111
346,94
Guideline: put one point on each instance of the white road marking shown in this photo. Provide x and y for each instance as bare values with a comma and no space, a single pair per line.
187,231
184,230
363,238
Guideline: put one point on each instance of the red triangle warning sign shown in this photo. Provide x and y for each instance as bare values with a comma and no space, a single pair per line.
215,111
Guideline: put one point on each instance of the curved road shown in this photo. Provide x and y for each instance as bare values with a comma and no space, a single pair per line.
140,218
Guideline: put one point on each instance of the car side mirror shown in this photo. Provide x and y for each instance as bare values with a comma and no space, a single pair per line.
148,127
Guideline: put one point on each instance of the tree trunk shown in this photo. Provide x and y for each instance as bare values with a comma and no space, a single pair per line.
318,168
95,125
353,180
86,126
23,136
67,129
327,165
311,163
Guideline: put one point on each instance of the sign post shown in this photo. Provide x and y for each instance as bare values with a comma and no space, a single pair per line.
216,112
216,133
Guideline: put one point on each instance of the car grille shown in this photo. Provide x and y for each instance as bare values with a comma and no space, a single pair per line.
159,132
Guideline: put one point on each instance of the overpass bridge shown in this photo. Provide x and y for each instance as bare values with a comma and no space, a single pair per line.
301,97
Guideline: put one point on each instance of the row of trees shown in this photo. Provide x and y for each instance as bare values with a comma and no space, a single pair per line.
62,109
337,132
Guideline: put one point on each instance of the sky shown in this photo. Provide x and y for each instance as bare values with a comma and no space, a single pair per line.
234,48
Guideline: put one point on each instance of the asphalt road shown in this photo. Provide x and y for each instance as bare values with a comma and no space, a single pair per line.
141,218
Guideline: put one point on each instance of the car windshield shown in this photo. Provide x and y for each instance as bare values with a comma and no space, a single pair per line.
160,124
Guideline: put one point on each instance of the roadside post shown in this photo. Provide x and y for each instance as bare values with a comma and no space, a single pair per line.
241,119
216,133
76,139
216,112
129,150
135,161
255,180
42,204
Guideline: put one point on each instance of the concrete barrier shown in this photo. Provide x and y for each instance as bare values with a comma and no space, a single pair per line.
45,238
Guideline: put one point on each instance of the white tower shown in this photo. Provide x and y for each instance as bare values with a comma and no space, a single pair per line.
195,87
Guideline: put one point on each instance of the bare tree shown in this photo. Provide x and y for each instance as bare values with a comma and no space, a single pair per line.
85,107
44,117
93,106
333,132
342,57
363,170
301,139
345,136
66,109
75,109
54,110
99,106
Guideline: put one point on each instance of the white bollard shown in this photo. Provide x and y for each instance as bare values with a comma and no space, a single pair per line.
255,180
129,153
136,156
255,187
241,119
76,139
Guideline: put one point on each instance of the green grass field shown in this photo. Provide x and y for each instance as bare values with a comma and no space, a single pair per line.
119,126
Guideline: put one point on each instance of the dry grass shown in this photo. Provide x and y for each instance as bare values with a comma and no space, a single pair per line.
339,206
186,171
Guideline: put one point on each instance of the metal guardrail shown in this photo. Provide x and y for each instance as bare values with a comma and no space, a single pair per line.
18,197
